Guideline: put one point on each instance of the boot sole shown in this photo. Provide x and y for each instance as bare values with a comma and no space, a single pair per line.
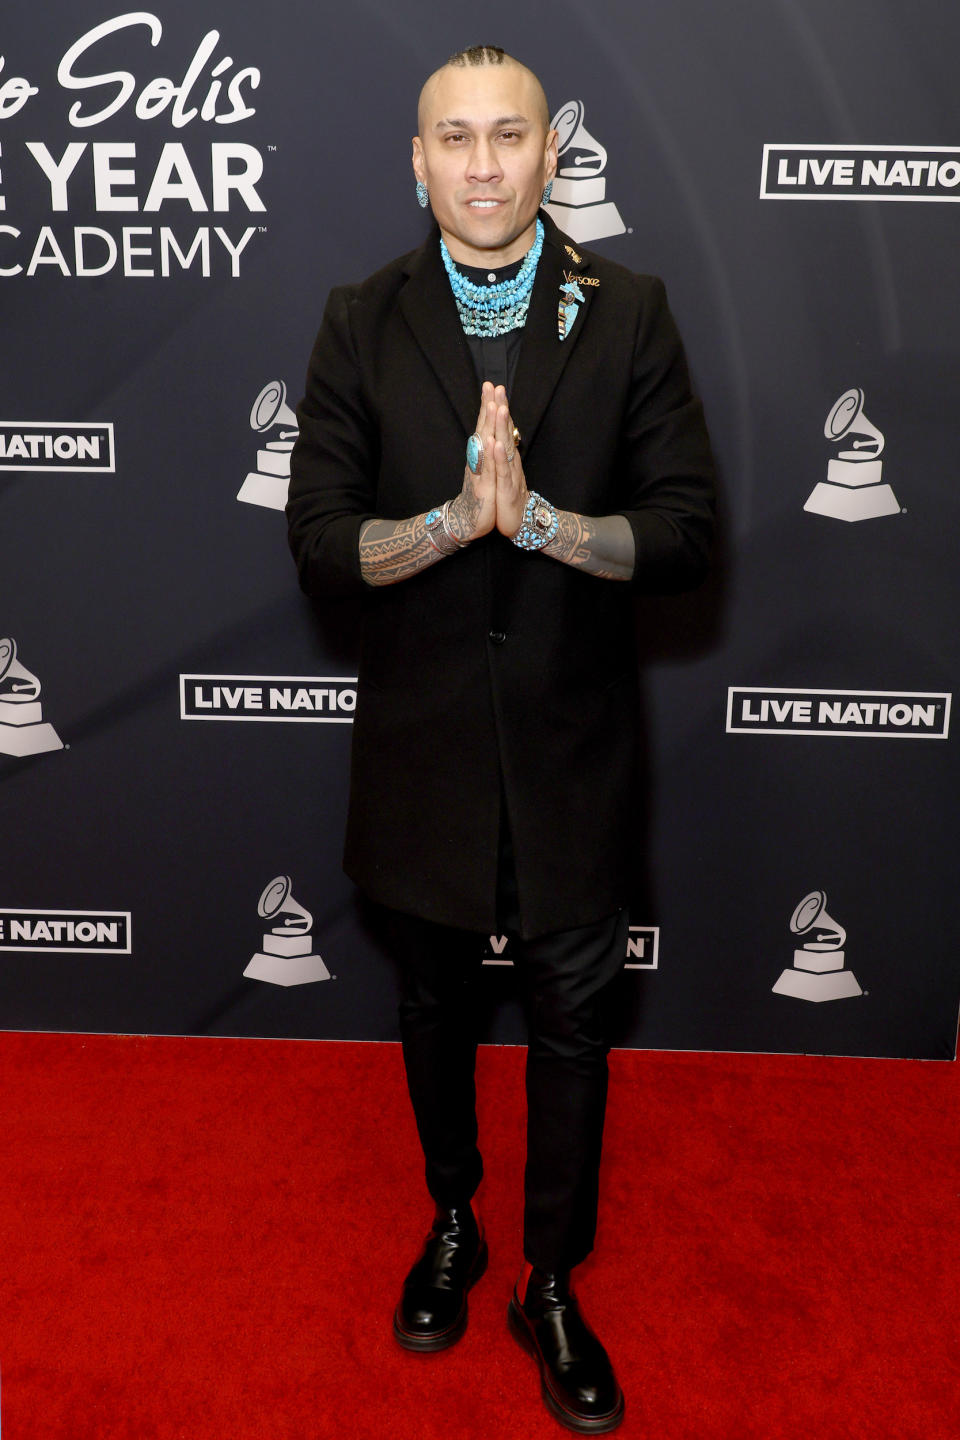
584,1425
443,1339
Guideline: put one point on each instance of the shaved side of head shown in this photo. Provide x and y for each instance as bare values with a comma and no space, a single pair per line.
477,55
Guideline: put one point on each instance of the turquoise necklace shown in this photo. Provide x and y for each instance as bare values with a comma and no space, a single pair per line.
494,309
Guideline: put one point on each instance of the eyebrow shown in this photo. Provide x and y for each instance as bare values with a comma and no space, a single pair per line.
466,124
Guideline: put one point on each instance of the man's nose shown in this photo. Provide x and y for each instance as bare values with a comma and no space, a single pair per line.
483,162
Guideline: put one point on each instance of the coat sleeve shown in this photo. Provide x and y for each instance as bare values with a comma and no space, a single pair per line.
334,463
666,470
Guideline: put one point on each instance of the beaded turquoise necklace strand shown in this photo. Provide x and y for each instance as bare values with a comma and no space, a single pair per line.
487,310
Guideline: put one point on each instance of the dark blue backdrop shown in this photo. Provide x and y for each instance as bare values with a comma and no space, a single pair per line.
128,792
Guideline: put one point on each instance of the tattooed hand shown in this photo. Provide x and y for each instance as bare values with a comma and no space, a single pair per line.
392,550
473,512
599,545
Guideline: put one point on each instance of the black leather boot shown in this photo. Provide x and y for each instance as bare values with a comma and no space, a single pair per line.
432,1312
576,1376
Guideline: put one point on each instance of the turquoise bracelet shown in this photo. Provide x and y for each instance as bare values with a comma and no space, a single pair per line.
539,525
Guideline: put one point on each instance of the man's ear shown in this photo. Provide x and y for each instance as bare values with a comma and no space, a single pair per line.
552,159
418,158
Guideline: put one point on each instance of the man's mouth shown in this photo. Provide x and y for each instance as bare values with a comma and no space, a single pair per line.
484,204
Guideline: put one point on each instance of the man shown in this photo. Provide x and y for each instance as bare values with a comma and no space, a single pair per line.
492,770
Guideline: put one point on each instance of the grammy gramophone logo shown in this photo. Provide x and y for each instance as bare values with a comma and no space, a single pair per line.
854,488
818,971
269,483
23,730
286,956
578,203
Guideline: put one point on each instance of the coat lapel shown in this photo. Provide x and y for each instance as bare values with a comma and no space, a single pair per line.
428,306
544,355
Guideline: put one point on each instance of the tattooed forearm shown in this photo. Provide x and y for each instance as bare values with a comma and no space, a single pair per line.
570,538
392,550
600,545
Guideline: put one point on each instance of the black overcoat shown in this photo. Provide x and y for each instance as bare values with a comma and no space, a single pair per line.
497,670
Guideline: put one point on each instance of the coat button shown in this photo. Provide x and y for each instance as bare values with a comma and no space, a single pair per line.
497,637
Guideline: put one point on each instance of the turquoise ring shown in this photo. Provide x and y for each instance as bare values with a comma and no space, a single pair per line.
475,453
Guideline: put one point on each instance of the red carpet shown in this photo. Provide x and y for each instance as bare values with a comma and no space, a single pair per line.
204,1240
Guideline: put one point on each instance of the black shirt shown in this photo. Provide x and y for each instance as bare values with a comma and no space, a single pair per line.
494,356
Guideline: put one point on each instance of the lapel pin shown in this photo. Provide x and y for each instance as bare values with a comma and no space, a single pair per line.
571,298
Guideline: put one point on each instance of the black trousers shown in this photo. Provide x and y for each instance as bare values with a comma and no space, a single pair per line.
565,980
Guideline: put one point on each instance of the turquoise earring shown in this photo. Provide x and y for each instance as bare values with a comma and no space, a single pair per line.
547,192
422,196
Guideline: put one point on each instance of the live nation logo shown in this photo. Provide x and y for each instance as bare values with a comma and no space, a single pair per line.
643,949
329,699
901,714
860,172
67,932
57,445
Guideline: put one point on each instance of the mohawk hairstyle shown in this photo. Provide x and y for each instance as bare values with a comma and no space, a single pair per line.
476,56
479,55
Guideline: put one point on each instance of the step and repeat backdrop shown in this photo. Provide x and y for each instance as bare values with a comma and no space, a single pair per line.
180,186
